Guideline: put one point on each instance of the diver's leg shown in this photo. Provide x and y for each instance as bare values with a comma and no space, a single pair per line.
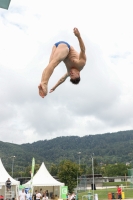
60,53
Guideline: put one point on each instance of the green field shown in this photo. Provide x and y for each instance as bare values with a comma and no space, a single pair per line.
103,193
127,184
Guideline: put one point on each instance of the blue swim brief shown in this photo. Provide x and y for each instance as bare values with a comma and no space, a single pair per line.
57,43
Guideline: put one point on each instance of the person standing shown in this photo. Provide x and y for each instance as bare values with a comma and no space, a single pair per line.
38,196
34,195
22,195
8,184
119,191
45,197
47,194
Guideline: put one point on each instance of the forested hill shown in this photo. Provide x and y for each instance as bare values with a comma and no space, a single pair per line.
107,148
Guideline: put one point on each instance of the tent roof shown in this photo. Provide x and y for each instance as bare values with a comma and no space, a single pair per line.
43,178
4,176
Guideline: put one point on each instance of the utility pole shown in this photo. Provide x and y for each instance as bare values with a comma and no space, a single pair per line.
93,173
79,170
13,157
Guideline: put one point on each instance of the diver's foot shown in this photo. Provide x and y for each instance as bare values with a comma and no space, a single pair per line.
42,90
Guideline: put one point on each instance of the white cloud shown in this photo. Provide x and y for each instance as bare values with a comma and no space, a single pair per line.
102,102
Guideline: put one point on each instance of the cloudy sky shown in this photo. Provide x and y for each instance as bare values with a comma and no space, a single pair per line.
102,102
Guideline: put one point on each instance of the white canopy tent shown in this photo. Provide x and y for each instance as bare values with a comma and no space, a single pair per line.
3,178
43,180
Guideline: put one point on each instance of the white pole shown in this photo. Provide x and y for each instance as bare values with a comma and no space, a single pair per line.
79,159
12,164
93,175
77,182
79,169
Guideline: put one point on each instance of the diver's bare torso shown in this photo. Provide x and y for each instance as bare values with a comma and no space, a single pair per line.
72,60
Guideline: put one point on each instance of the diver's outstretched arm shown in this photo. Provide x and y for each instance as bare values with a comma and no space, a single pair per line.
82,55
61,80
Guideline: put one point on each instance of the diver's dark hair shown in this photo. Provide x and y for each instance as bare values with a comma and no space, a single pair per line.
75,81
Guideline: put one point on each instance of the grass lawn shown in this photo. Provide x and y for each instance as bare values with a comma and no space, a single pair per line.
127,184
103,193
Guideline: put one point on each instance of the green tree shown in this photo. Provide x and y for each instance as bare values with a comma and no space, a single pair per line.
54,170
118,169
97,168
28,170
83,167
67,174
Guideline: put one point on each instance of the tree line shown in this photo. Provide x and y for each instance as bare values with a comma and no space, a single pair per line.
108,149
66,171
